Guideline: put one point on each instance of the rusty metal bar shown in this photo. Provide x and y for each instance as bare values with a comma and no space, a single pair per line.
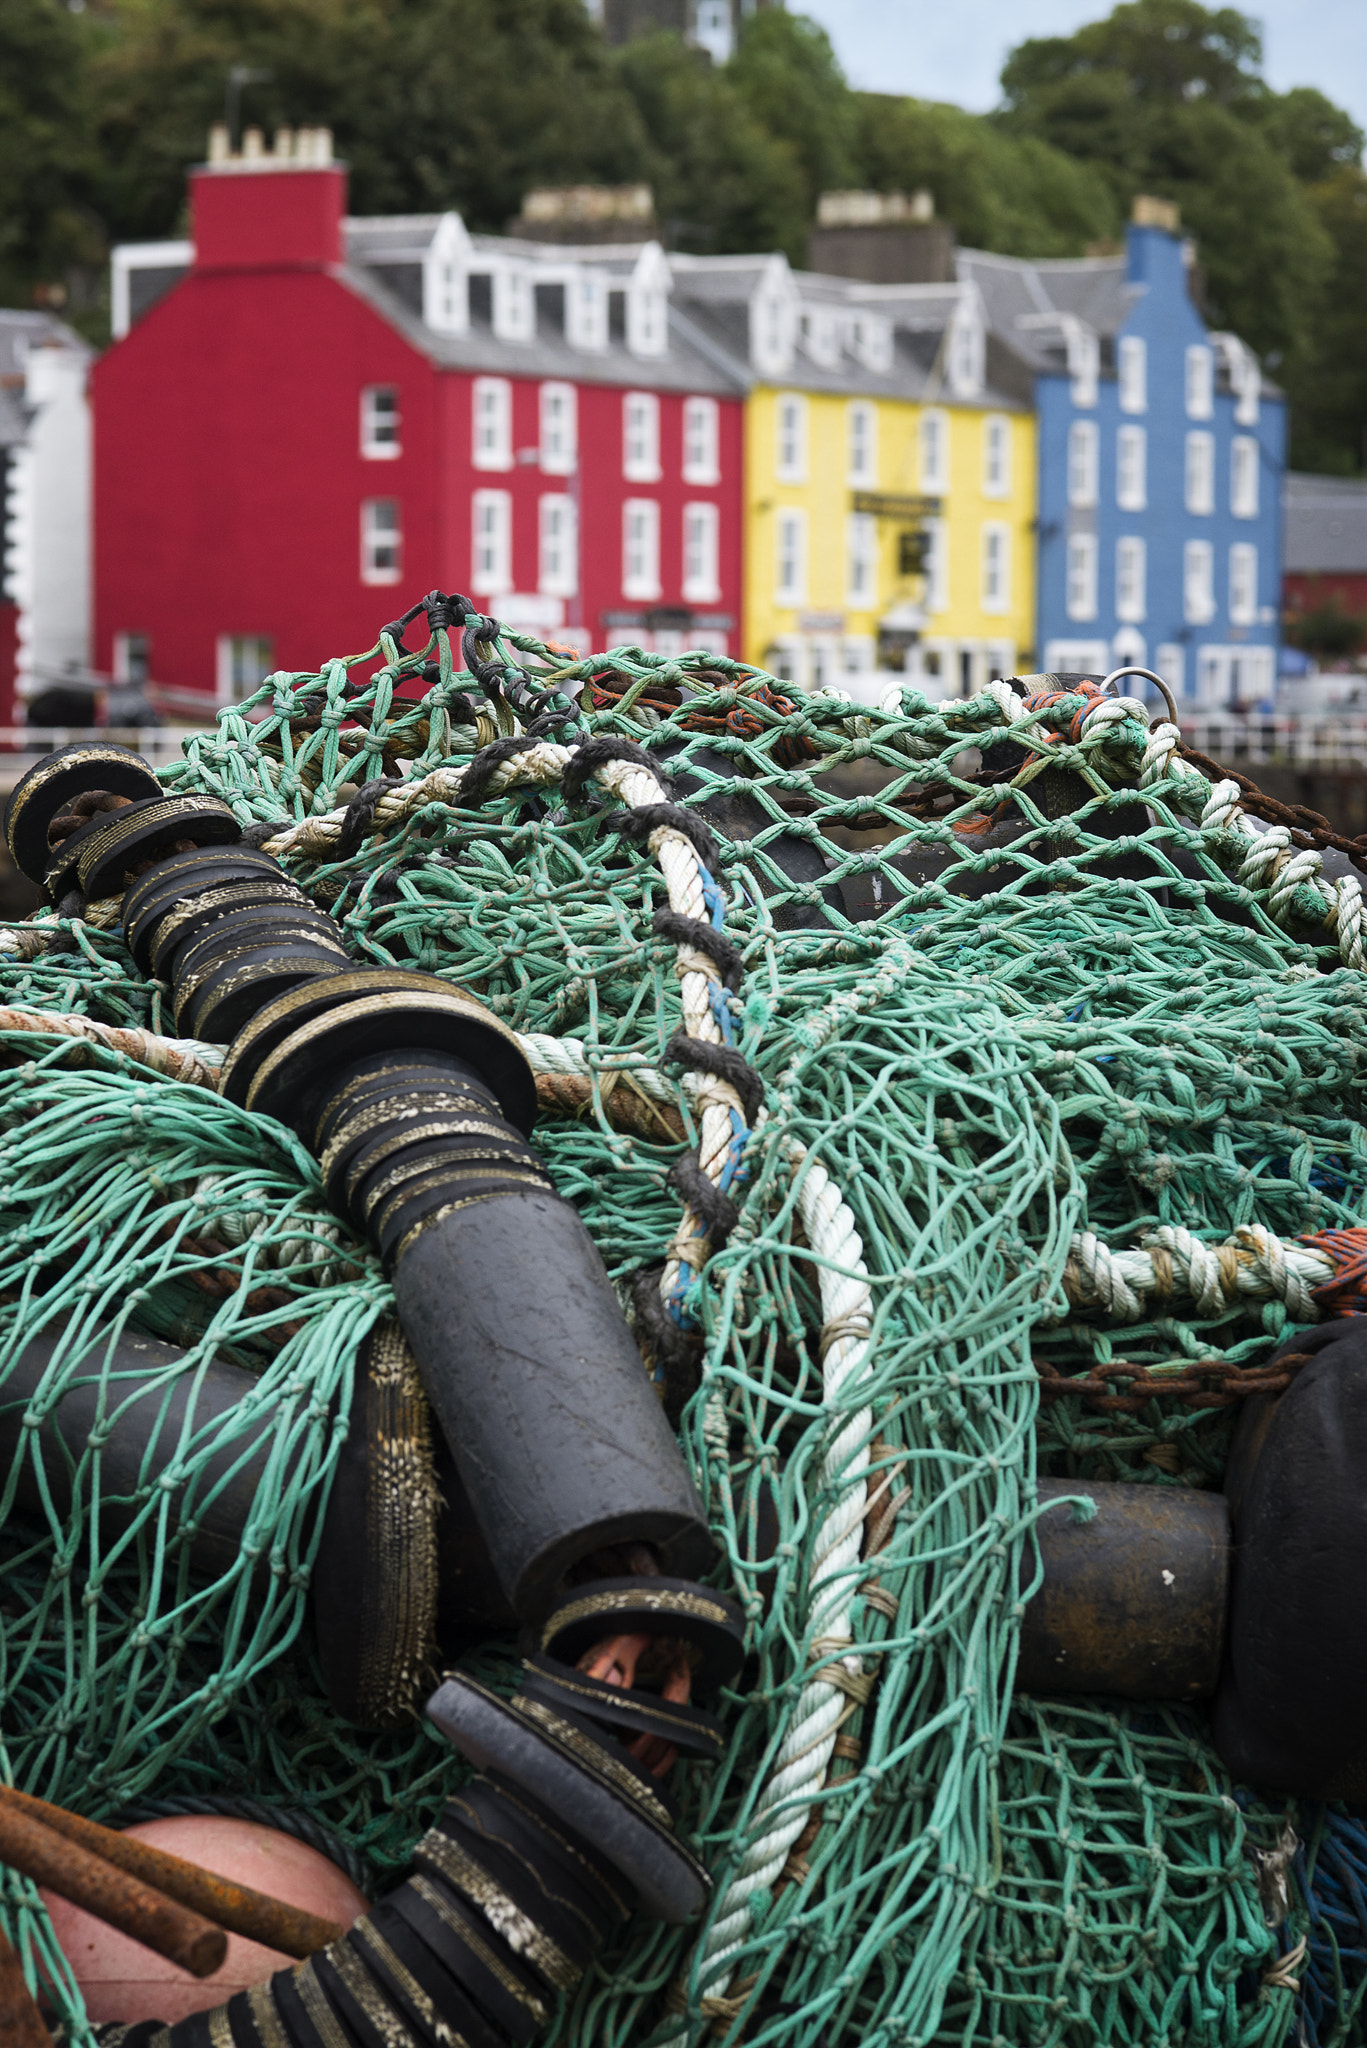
21,2024
254,1915
111,1894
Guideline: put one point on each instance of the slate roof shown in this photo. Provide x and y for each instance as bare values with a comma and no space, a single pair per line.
1325,524
1017,290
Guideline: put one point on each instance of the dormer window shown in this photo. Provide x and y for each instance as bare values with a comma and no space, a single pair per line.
1084,363
446,278
773,322
586,311
965,356
514,306
871,342
821,337
647,322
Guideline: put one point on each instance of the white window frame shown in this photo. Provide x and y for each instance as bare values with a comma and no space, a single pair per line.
647,320
491,543
380,423
995,558
514,303
1132,373
861,444
558,413
1131,578
133,651
996,455
701,441
557,537
491,423
586,311
641,437
232,686
932,449
790,438
1080,577
380,538
1198,582
937,565
1084,363
1198,473
1084,464
861,561
790,556
1243,583
641,549
701,553
1132,468
1170,661
1244,467
1199,381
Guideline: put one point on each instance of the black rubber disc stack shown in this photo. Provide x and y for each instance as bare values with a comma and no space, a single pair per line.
418,1103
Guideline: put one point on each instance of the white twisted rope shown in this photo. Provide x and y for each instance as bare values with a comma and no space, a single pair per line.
799,1770
1252,1265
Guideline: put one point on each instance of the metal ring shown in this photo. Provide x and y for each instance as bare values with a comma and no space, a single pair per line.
1150,677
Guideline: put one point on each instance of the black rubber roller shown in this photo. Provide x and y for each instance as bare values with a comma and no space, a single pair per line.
475,1955
599,1808
555,1429
506,1822
145,832
713,1625
54,785
622,1708
182,877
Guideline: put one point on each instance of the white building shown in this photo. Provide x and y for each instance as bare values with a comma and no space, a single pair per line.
45,446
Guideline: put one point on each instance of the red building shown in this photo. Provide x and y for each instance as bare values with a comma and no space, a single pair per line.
307,421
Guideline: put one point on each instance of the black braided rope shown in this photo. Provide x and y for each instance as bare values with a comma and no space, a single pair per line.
638,825
678,1352
596,753
695,931
721,1061
256,834
717,1210
288,1819
359,820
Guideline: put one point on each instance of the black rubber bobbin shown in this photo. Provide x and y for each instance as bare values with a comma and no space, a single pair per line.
182,876
509,1818
387,1115
457,1848
135,835
364,1999
310,2017
419,1985
64,862
406,1077
708,1622
476,1956
255,975
690,1729
189,917
371,1012
49,790
666,1876
247,929
600,1749
446,1857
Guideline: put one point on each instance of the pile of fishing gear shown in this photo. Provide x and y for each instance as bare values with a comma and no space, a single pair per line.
713,1337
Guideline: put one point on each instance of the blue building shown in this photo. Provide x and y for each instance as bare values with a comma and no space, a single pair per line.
1161,450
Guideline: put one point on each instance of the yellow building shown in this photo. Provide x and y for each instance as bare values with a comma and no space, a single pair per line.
889,490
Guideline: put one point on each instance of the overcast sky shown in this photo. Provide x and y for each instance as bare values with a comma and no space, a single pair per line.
953,49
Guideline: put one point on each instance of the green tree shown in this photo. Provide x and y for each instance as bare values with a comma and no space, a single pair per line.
723,183
1165,96
434,103
786,73
44,225
1015,194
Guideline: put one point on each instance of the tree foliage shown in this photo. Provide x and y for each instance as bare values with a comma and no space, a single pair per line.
467,103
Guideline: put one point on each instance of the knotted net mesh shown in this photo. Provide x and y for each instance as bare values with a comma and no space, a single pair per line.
989,1026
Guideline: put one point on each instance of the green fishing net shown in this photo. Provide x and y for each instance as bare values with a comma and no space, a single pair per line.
1096,1025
